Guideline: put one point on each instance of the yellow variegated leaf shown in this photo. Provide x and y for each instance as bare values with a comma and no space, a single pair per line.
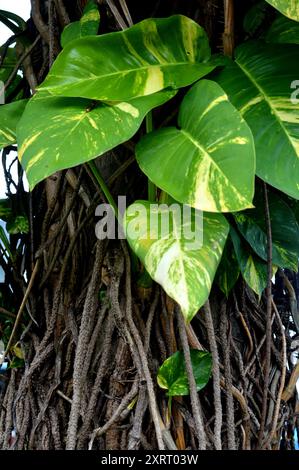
182,254
289,8
209,161
56,133
146,58
17,350
87,26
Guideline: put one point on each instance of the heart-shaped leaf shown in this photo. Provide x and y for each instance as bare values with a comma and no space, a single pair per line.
289,8
76,130
180,248
285,231
259,84
209,162
87,26
146,58
10,115
172,375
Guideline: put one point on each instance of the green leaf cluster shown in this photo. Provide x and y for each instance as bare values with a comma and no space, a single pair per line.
235,125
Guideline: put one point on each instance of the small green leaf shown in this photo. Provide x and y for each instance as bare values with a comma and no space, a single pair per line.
90,19
172,375
209,162
285,231
75,130
146,58
10,115
289,8
87,26
181,251
253,269
18,224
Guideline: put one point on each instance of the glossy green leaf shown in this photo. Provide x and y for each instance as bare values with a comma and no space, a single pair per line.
228,270
148,57
285,231
259,85
283,31
179,252
172,375
90,19
75,130
87,26
289,8
10,115
253,269
209,162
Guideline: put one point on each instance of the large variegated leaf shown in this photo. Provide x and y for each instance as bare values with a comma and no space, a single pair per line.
88,24
285,231
283,31
289,8
10,115
75,130
209,162
253,268
182,256
259,85
148,57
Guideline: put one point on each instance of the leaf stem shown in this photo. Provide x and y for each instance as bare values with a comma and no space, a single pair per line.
152,189
169,407
97,175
